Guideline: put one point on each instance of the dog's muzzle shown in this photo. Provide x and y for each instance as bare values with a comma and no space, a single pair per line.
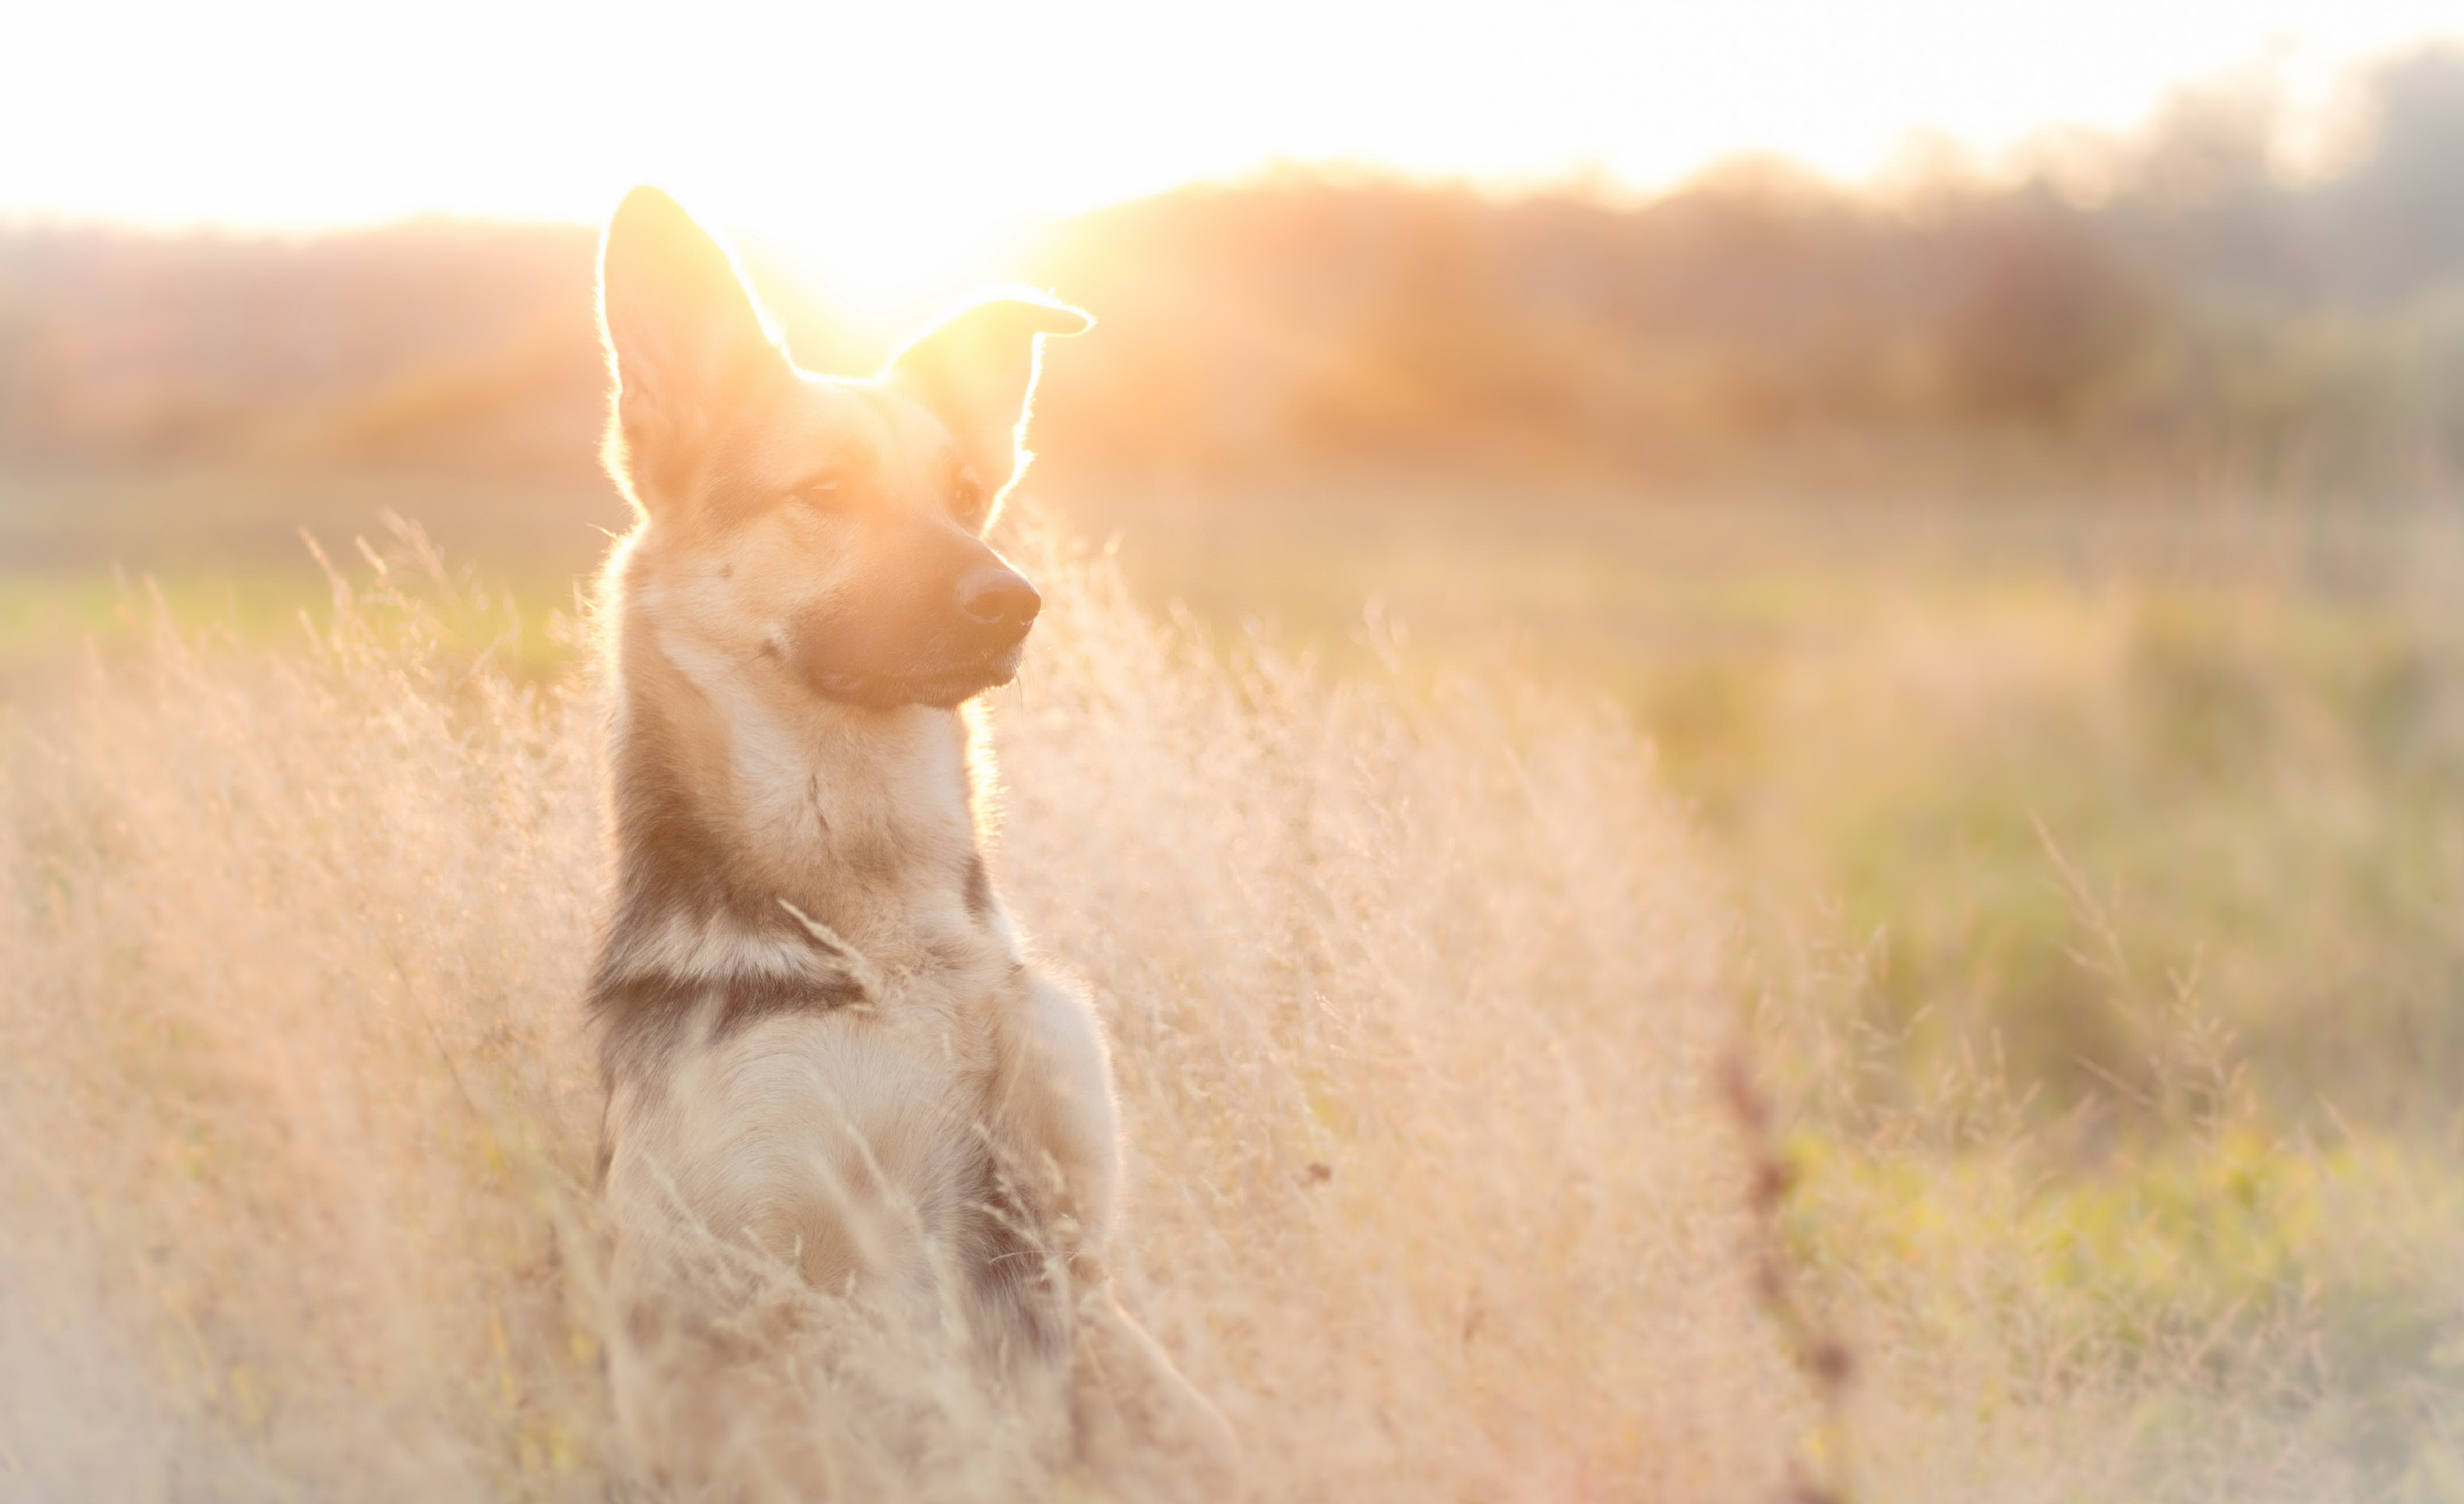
998,605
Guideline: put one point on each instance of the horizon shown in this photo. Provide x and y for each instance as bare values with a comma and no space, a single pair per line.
550,114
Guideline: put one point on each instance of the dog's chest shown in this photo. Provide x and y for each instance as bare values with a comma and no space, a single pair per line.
898,1088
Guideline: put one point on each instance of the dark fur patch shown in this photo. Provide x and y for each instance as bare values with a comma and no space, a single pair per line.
751,1001
671,860
979,887
645,1015
639,1027
606,1155
1015,1272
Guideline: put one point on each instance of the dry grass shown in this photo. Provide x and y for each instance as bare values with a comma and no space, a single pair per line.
1418,989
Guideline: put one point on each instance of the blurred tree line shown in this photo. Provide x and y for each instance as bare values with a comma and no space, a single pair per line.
2178,305
428,341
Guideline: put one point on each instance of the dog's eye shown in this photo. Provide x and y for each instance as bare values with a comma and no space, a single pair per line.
966,496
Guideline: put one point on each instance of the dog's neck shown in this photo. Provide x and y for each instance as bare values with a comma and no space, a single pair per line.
749,814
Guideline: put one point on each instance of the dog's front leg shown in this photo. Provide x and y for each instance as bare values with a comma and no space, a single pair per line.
1058,1125
1138,1422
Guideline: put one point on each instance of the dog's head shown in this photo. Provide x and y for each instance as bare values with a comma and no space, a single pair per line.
824,529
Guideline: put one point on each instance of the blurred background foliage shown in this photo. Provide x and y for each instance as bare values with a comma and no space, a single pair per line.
2129,313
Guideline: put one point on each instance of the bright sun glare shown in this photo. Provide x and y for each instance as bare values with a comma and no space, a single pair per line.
898,147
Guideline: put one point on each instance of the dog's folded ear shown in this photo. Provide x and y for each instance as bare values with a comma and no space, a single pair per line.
976,370
684,338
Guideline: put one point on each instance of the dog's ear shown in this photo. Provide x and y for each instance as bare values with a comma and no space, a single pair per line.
977,368
684,339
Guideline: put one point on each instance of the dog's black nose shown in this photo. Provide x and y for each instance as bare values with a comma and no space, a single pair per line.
998,598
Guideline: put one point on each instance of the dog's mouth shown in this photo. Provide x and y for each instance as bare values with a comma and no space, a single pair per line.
943,687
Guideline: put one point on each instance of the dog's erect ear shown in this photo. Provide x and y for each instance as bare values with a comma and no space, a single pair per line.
976,370
684,338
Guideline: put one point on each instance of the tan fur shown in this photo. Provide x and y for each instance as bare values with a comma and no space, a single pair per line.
912,1104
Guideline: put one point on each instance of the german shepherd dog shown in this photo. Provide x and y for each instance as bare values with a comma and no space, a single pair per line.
822,1048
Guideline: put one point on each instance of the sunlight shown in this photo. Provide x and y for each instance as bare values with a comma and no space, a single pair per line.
884,264
897,143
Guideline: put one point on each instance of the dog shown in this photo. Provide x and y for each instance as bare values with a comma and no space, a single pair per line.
827,1064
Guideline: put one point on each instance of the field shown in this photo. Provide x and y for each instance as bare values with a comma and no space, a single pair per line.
1677,1001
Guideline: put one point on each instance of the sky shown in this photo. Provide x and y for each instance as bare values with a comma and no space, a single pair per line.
892,144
